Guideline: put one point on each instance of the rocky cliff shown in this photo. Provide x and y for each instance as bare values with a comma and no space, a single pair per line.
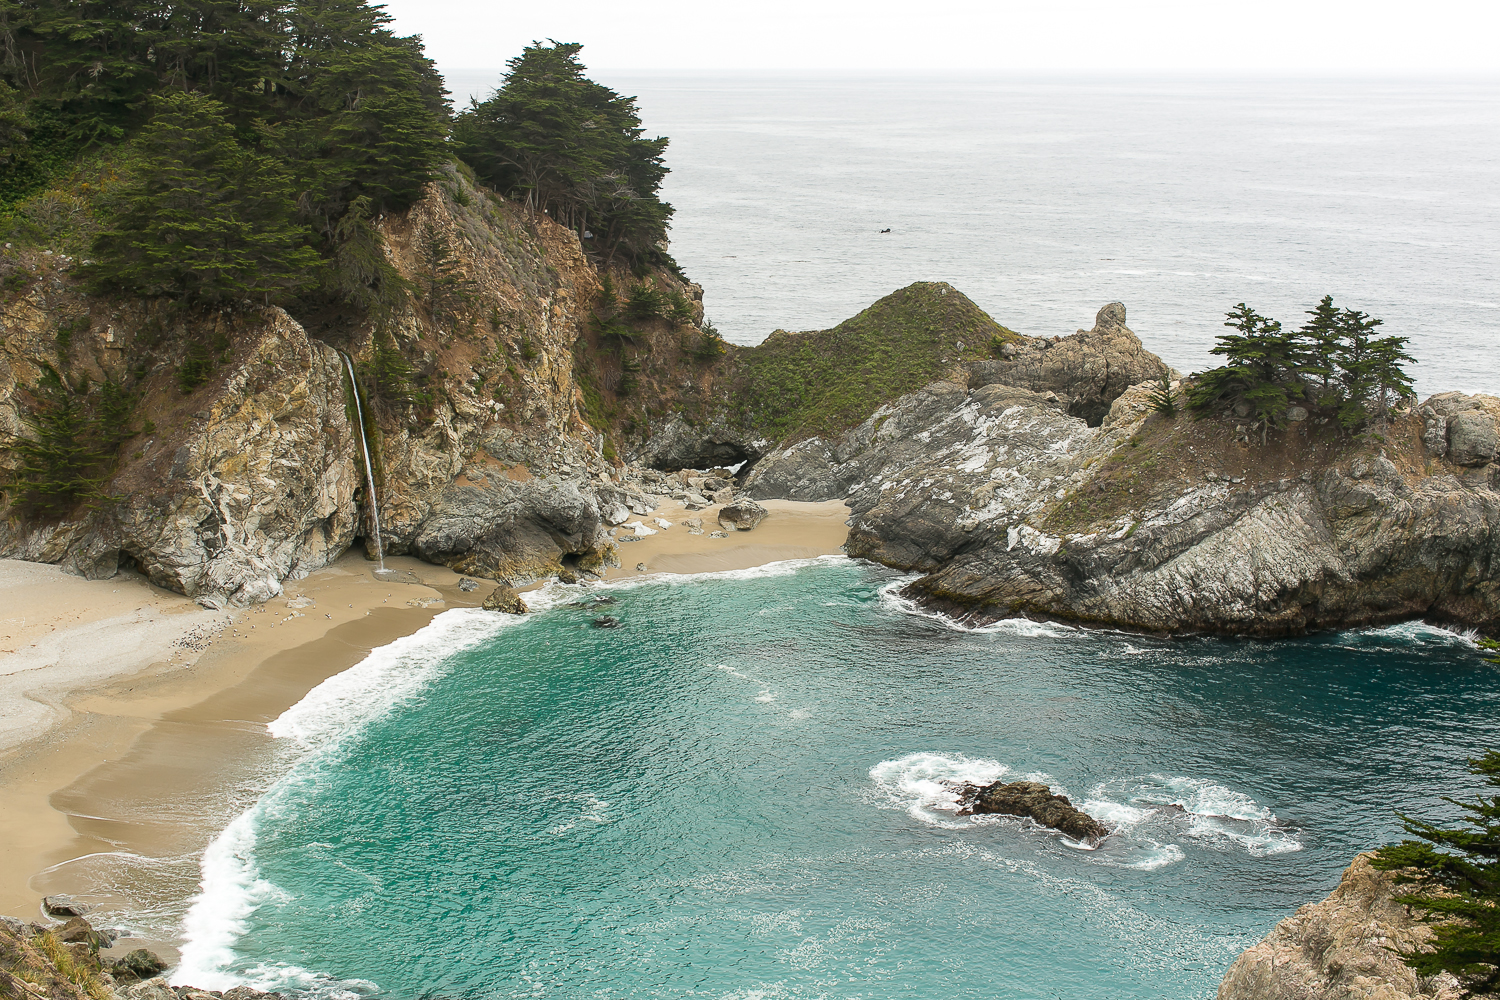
1003,493
1019,475
1340,949
483,456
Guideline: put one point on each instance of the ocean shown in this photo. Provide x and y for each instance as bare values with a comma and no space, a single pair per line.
1043,199
748,791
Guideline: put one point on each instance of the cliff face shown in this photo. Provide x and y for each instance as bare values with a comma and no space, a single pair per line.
1011,504
483,458
1340,949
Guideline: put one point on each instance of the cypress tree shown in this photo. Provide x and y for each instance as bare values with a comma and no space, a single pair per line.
202,219
1454,873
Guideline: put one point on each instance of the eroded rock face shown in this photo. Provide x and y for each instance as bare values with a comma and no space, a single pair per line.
506,600
1014,507
257,488
1036,800
1087,371
1340,949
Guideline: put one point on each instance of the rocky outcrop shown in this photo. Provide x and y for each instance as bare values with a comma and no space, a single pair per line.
1087,372
506,600
1343,948
1035,800
1012,506
250,483
743,514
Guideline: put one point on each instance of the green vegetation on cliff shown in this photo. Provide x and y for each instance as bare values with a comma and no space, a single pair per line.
1333,363
797,385
573,148
1455,876
206,151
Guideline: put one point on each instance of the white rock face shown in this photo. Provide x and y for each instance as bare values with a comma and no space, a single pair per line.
1339,949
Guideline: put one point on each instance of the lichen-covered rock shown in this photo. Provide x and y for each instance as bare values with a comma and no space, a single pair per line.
1340,949
1035,800
138,964
1471,438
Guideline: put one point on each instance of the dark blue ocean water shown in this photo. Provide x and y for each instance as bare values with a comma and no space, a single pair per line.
742,793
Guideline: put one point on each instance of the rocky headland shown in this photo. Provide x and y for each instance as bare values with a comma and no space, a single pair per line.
512,437
1343,948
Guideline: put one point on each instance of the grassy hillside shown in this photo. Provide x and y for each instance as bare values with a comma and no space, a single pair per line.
798,385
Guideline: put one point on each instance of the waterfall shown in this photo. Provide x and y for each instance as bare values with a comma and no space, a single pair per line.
364,444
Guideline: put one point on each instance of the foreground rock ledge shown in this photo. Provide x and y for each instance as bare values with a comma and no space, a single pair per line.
1033,799
1340,949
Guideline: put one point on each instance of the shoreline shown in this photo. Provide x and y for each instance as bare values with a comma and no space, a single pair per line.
130,768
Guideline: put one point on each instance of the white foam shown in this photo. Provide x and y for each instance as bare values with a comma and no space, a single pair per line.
230,888
1192,807
892,599
925,785
349,701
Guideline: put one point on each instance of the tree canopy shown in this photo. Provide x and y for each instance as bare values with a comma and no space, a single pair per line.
1332,362
572,148
266,119
1454,874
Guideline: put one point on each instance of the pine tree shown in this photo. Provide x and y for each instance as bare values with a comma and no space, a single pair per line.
1321,334
1264,369
1455,875
572,148
202,219
60,462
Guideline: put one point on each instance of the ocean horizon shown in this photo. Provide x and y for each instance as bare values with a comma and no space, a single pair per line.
1044,197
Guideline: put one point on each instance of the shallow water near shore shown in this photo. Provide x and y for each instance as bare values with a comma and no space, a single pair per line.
746,791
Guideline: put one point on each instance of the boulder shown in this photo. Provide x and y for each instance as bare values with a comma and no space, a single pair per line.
606,621
79,931
1471,438
1033,799
63,906
742,515
505,600
138,964
1343,948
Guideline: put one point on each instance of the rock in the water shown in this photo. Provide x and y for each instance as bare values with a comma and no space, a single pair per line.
63,906
138,964
1034,799
505,599
742,515
606,621
1340,949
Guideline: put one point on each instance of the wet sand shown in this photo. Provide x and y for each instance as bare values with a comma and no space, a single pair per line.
115,776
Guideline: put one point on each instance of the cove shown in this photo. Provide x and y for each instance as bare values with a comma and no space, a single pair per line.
744,792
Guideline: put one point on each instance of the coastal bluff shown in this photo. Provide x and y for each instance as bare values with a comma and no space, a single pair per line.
1340,949
513,429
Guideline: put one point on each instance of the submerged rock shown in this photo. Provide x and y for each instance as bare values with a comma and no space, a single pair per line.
606,621
506,600
1033,799
1340,949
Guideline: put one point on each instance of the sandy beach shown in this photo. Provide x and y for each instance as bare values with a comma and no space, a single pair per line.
132,721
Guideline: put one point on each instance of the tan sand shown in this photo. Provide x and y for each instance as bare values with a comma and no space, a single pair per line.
134,728
792,530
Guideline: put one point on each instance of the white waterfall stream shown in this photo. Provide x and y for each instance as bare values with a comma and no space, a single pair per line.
364,444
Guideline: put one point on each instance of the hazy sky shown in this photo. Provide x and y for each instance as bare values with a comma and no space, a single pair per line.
1366,37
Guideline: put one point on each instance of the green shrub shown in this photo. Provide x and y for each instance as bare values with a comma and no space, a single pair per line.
646,302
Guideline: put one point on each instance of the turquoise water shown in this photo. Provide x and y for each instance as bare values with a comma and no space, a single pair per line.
740,794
